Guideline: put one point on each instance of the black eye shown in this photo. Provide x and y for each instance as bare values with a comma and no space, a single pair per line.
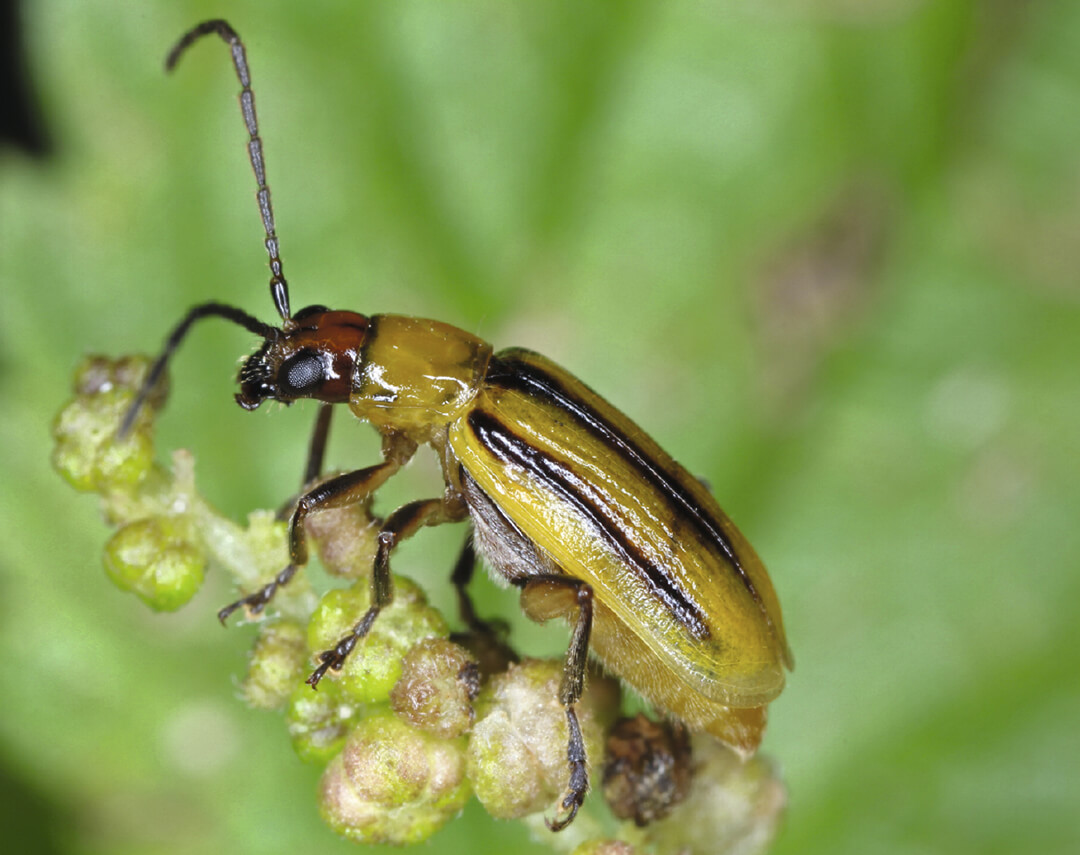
301,373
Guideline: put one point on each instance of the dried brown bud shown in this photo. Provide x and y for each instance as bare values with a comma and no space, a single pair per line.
647,769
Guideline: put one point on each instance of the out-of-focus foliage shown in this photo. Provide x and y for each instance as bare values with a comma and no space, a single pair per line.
824,251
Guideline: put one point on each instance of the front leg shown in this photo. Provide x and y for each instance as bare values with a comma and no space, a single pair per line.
316,453
337,492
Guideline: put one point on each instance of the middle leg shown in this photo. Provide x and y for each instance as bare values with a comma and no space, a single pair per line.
400,525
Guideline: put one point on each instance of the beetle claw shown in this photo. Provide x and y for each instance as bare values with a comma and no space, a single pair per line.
334,659
570,804
253,604
328,662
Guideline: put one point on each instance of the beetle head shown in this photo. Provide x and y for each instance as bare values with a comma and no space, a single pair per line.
314,355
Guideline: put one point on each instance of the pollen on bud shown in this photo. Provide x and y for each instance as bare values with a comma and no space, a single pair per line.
375,664
158,560
392,783
87,452
439,681
318,722
276,665
517,748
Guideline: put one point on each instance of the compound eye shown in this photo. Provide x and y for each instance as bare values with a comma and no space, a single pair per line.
301,374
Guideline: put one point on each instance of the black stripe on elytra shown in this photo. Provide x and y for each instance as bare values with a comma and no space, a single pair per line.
512,449
520,376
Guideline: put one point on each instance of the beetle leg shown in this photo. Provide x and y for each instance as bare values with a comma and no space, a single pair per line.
460,578
335,493
316,454
317,446
573,683
486,640
401,524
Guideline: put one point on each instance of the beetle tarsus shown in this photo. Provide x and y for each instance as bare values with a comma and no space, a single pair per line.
254,603
223,613
320,672
579,774
570,804
334,659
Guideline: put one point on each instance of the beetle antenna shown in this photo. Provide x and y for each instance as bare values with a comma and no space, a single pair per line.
279,288
196,313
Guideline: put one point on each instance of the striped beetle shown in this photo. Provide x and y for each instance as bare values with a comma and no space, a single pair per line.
569,500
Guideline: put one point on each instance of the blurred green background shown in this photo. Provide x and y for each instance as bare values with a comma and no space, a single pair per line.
826,251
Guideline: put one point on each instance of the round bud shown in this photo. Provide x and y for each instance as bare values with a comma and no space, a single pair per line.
276,665
517,748
157,560
647,769
392,783
732,806
87,452
439,681
318,722
345,539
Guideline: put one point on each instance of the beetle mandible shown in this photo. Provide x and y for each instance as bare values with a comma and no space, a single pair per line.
569,500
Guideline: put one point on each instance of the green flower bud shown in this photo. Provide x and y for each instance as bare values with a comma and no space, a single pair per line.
158,560
87,452
517,748
318,722
277,664
374,666
439,681
393,784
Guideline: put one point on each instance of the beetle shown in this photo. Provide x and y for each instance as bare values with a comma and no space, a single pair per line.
569,500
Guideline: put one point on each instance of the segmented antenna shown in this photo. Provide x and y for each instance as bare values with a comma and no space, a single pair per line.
279,288
180,331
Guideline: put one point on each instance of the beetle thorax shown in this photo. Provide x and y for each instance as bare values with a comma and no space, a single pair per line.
417,375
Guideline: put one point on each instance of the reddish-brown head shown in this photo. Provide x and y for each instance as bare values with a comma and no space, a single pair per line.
314,355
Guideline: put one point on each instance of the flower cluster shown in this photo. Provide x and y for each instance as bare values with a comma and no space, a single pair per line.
419,718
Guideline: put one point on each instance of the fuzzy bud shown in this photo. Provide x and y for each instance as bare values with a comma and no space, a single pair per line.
392,783
87,452
733,806
605,847
318,722
276,665
647,769
346,539
517,749
439,681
